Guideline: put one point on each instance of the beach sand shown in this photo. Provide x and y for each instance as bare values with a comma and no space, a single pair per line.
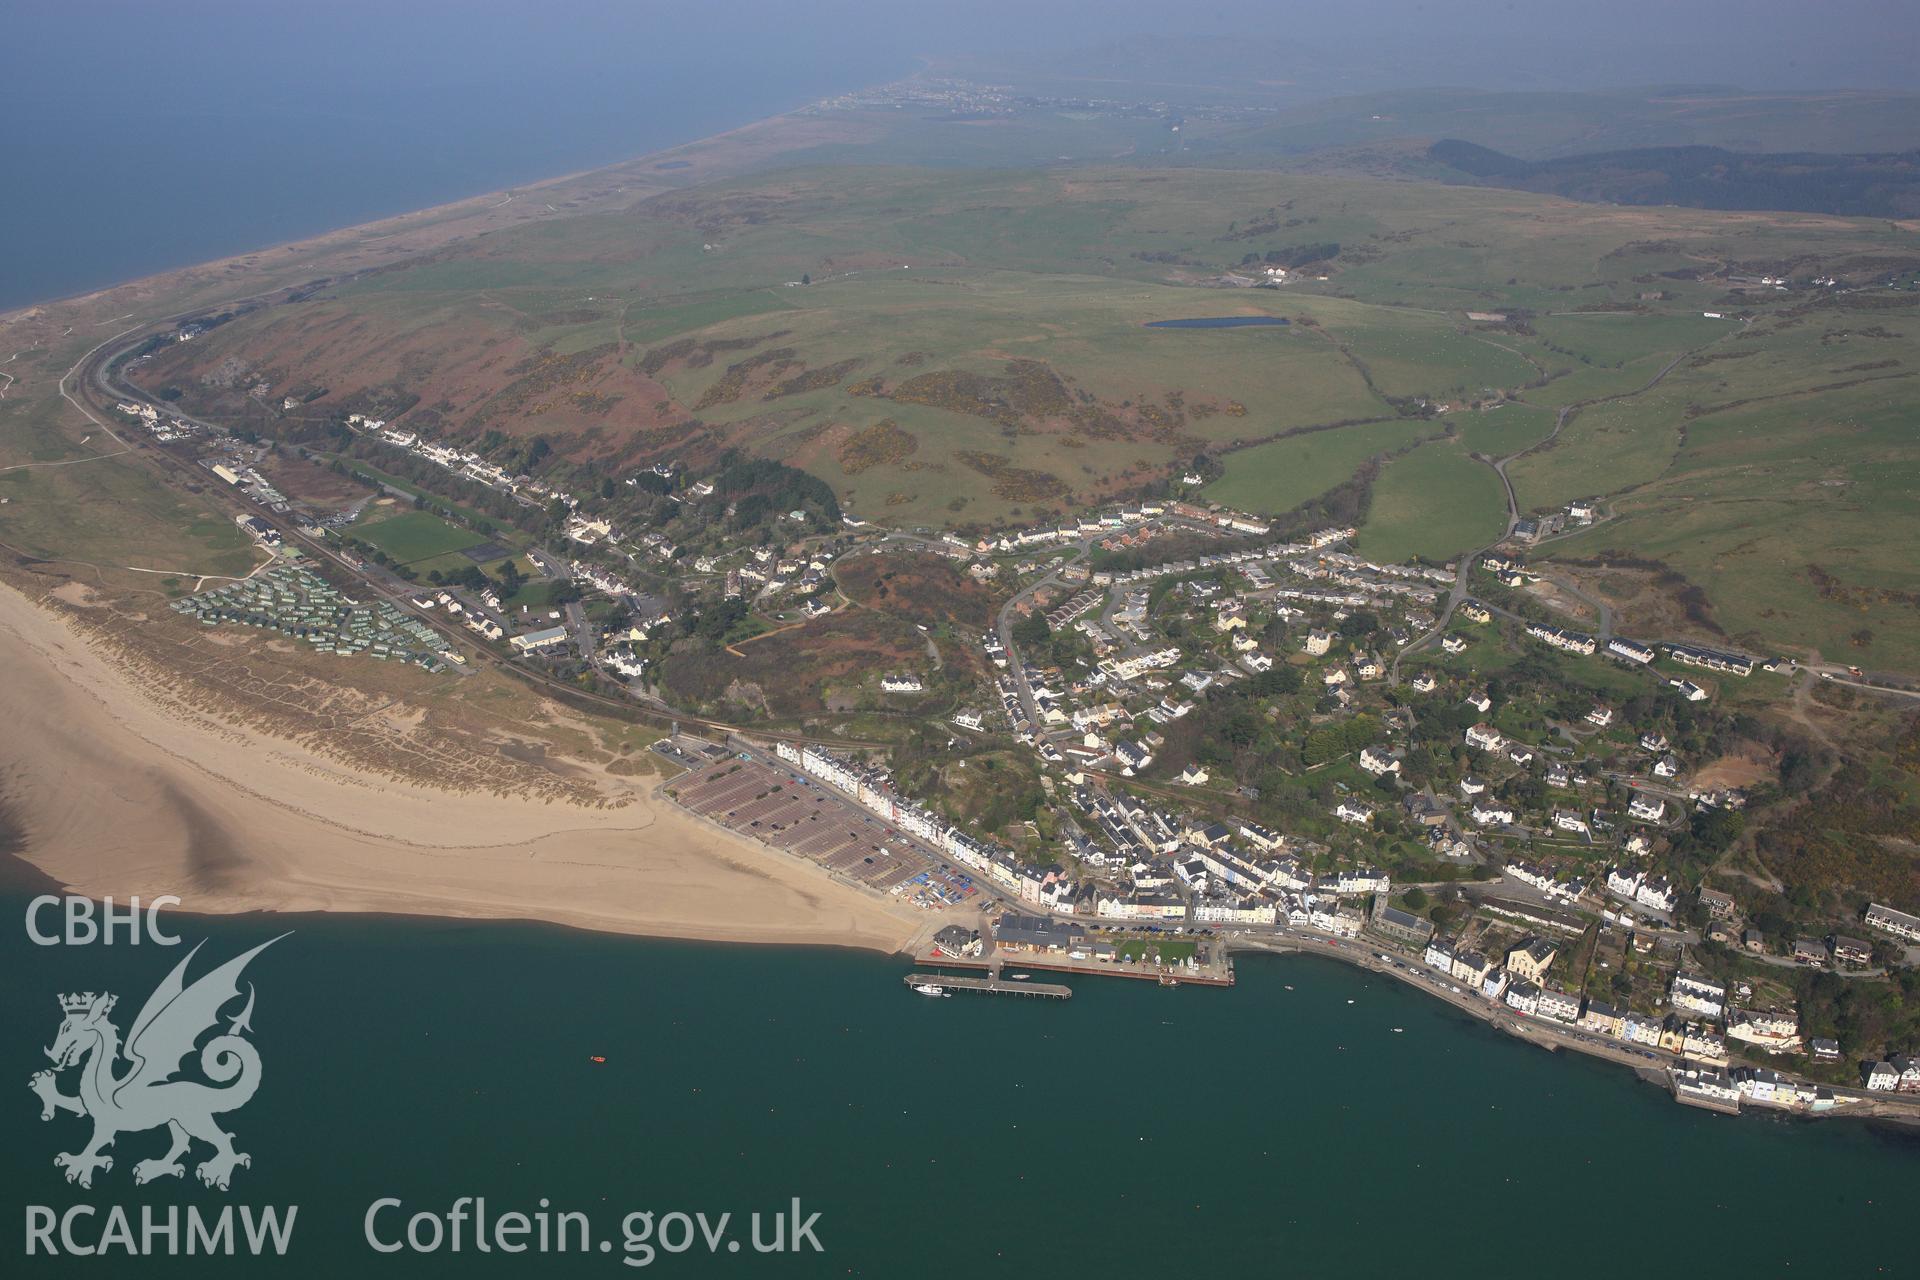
120,793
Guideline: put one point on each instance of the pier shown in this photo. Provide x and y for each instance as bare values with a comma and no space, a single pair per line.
991,986
1218,974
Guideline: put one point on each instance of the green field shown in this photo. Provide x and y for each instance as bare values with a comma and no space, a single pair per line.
110,519
1277,477
1604,449
1504,430
1413,353
479,519
415,537
1434,502
1798,523
1168,951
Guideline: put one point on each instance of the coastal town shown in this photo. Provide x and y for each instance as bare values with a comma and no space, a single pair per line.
1470,780
684,636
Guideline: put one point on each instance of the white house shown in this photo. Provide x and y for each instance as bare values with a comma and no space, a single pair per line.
1898,923
1623,882
1567,820
1688,690
534,641
1377,762
1697,994
1492,815
1629,651
1773,1030
1483,737
1657,894
1647,808
1561,1006
1362,880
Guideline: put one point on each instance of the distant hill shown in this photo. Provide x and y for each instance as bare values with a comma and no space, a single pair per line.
1881,185
1551,124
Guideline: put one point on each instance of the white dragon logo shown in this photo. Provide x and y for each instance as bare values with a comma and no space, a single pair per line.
145,1097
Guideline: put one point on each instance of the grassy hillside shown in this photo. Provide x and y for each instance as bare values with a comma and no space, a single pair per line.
1885,185
969,347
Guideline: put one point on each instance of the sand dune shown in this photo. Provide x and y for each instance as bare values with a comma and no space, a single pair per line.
120,794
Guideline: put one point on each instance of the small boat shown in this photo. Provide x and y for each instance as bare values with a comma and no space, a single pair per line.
1022,977
929,989
596,1058
1398,1030
1349,1002
1289,986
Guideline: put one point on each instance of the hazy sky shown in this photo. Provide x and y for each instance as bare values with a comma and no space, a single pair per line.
62,46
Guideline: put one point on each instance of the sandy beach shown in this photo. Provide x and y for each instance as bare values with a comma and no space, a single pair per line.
120,793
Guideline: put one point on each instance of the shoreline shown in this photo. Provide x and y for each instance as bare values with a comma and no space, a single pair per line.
446,205
1903,1115
646,165
164,827
232,819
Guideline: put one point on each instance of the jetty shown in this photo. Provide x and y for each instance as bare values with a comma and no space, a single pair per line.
991,986
1217,974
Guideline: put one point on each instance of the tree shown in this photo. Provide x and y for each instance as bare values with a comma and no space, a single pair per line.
806,278
1240,728
1274,682
1032,630
1416,899
1715,830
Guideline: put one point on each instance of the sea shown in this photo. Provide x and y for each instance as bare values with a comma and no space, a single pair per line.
1313,1120
141,137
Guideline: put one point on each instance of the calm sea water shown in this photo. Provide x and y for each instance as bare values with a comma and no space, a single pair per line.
141,137
1131,1131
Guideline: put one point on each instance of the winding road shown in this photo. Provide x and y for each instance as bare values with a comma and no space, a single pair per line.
1468,559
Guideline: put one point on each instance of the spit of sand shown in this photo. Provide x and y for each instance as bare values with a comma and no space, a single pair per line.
120,793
